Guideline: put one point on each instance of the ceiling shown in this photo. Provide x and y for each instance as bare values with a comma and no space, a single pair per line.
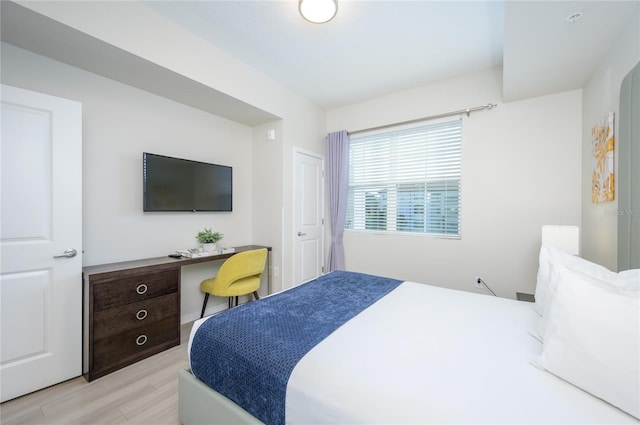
39,34
371,49
374,48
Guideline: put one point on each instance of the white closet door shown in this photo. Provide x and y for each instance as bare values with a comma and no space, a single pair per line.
41,219
308,217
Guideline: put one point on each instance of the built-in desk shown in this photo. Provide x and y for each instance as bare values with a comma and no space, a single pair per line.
131,309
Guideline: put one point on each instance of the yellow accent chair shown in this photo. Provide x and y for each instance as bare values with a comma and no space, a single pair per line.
239,275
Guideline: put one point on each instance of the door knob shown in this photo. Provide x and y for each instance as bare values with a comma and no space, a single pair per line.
69,253
302,234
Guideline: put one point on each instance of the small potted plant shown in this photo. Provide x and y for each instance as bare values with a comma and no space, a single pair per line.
209,239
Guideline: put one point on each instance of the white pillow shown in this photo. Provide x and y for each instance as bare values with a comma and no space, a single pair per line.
545,283
555,279
592,339
628,280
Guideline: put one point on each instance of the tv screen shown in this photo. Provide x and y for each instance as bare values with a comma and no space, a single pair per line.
174,184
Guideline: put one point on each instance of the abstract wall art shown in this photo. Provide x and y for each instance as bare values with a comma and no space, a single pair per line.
603,177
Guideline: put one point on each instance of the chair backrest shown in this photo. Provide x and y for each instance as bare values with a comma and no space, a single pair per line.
242,264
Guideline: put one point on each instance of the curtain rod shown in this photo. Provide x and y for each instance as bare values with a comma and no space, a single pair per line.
467,111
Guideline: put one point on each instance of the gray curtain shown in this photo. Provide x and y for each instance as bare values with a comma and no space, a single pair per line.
338,166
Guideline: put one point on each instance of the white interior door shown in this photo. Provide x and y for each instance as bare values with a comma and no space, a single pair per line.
308,212
41,217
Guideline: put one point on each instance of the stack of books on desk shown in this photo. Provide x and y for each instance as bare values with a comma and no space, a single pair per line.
196,253
202,254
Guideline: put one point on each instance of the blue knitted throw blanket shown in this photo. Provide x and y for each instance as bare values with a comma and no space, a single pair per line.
248,353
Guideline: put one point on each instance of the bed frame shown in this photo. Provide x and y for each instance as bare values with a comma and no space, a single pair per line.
199,404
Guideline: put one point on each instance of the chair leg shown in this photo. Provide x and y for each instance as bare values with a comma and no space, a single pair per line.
255,294
230,302
204,305
237,302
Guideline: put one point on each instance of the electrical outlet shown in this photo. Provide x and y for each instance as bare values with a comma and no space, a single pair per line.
477,282
275,271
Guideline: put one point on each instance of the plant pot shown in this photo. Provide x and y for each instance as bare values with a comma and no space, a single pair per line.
209,247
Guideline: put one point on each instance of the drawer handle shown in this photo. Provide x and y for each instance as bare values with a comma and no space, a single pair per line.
141,314
141,340
141,289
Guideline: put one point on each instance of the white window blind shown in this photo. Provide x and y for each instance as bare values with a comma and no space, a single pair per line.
407,180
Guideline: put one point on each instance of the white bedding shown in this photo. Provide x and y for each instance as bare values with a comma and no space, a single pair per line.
424,354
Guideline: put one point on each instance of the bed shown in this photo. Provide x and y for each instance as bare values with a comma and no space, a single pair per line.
408,353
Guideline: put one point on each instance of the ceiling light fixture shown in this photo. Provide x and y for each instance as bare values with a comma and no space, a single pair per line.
574,17
318,11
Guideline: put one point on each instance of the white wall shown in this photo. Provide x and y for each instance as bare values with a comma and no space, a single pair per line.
267,198
149,35
119,123
601,96
521,169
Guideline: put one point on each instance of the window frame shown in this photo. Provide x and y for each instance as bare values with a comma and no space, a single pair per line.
447,183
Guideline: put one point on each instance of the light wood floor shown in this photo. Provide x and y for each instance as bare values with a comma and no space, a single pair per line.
143,393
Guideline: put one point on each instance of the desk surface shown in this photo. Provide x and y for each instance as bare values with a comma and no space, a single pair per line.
157,263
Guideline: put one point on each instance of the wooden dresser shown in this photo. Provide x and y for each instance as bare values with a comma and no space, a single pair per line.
130,314
131,310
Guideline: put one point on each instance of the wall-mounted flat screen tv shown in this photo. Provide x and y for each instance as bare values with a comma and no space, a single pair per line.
174,184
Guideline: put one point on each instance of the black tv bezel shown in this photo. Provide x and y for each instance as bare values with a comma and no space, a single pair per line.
144,184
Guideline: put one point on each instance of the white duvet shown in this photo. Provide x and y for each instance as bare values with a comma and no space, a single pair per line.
425,354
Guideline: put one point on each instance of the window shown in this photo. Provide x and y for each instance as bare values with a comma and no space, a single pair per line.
407,180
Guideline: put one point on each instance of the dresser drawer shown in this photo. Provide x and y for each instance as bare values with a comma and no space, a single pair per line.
121,319
130,290
135,344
